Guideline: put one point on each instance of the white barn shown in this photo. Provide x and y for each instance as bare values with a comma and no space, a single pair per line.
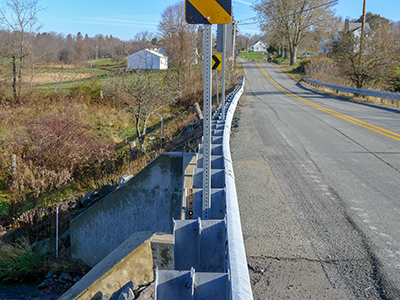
147,60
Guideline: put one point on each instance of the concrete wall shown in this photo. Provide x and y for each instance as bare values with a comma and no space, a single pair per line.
148,202
134,260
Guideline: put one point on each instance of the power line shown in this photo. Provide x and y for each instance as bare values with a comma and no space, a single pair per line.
296,13
247,19
252,23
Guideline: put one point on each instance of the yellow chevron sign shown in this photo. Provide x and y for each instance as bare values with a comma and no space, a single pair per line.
208,11
216,62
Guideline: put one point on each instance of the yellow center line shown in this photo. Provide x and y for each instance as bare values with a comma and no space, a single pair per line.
358,122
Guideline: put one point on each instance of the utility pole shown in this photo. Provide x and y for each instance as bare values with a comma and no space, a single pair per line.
223,69
360,60
234,41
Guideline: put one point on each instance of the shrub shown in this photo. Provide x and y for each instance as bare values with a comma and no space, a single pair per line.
51,151
93,90
396,84
59,142
315,65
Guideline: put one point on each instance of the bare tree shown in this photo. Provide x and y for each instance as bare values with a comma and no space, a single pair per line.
380,58
19,17
293,19
143,39
180,43
242,42
142,93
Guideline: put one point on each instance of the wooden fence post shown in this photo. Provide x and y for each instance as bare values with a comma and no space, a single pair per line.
13,167
198,111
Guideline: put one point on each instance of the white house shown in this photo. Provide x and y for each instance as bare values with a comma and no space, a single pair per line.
325,46
147,60
355,29
259,46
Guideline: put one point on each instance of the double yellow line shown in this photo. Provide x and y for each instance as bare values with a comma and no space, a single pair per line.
377,129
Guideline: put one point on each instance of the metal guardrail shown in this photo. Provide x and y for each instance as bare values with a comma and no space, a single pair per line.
387,95
237,262
210,259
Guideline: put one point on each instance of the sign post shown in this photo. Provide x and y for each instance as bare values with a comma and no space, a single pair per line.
217,66
207,120
207,12
216,87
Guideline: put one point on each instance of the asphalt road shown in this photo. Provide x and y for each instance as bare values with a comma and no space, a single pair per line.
318,182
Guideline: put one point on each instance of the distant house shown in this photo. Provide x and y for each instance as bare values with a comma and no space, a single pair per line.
325,46
259,46
147,60
355,29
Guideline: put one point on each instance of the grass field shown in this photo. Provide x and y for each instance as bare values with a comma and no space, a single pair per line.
259,56
64,77
253,56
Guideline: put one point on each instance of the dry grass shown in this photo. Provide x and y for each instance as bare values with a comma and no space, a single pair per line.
239,69
44,78
24,131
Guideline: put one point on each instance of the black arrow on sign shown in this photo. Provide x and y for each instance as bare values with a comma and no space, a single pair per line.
216,64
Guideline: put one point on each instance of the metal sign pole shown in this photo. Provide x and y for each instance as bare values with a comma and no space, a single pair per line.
207,120
216,87
223,69
234,43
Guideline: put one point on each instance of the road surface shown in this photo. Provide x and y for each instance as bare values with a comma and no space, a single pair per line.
318,182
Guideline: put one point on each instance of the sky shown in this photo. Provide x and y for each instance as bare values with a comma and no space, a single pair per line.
124,19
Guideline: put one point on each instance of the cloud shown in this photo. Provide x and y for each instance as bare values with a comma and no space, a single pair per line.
118,21
243,2
114,22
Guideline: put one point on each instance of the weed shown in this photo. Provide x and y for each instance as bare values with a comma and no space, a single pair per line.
18,262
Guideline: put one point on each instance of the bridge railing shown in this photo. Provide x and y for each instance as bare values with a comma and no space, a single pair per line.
240,281
209,255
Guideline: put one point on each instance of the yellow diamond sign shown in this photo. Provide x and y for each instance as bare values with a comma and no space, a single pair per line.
208,11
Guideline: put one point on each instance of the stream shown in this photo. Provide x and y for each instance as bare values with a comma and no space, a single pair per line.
18,292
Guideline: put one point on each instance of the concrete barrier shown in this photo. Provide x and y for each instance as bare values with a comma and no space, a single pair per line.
147,202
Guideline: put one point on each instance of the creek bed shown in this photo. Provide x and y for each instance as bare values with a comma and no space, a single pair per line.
18,292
